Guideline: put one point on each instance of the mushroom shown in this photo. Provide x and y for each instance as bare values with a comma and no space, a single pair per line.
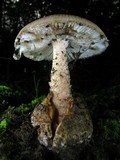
60,38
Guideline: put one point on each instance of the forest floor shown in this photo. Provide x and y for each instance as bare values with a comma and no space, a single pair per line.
18,139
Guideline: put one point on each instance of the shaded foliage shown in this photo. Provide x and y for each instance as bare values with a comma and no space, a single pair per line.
18,139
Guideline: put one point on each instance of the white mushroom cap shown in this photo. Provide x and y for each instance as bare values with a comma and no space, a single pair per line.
85,38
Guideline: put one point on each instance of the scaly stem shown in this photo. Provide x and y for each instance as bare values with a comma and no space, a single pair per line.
60,79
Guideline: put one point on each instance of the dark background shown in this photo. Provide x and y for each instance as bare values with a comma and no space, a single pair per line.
87,76
97,79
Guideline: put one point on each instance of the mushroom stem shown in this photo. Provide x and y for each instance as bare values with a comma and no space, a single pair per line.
60,79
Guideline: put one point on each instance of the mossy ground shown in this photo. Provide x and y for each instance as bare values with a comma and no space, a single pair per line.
18,139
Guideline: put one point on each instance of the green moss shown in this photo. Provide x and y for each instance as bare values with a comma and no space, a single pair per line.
35,101
26,108
23,109
6,117
7,112
2,87
9,97
3,124
110,129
